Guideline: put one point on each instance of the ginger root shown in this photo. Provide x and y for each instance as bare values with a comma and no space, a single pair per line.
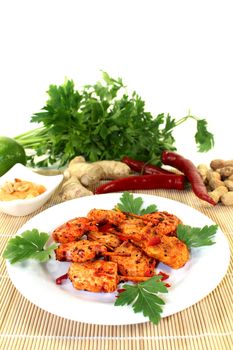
91,173
81,176
72,188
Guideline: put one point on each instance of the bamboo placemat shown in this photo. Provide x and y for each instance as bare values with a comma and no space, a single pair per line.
205,325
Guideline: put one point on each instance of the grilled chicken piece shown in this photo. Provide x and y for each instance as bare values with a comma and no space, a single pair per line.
79,251
72,230
132,229
136,264
108,239
98,276
113,217
165,223
156,238
94,276
167,249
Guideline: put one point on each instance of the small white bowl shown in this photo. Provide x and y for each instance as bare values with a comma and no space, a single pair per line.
21,207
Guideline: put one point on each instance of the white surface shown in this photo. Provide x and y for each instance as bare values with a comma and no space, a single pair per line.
20,207
176,54
189,284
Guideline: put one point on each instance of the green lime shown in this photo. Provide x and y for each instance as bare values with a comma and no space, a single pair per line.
11,152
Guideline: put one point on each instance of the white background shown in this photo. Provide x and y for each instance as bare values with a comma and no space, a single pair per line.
176,54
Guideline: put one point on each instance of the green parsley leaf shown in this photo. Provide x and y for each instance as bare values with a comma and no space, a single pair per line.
195,237
29,245
129,204
203,137
143,298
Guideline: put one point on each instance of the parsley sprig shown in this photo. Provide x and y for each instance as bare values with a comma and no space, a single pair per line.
130,204
195,237
143,297
29,245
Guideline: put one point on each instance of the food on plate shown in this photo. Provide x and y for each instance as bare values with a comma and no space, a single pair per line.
72,230
137,263
110,246
20,189
218,179
110,240
152,237
11,152
94,276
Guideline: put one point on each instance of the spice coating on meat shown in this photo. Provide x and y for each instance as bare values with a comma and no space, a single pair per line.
113,217
165,222
79,251
136,264
94,276
108,239
72,230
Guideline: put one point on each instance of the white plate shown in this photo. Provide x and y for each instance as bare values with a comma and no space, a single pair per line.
190,284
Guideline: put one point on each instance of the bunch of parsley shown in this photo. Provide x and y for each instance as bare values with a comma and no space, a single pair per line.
102,121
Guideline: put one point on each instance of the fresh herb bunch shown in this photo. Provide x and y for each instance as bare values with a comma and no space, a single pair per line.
102,121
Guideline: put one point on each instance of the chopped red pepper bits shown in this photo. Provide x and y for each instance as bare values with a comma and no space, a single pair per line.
60,279
164,275
154,241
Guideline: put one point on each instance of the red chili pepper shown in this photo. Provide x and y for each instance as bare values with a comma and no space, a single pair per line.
142,182
144,168
190,171
60,279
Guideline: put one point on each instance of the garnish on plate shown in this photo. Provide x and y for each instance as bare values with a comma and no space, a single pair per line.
129,204
31,244
195,237
143,298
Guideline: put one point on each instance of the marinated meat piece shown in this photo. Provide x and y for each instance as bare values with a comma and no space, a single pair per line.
113,217
94,276
165,222
79,251
72,230
136,264
169,250
108,239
